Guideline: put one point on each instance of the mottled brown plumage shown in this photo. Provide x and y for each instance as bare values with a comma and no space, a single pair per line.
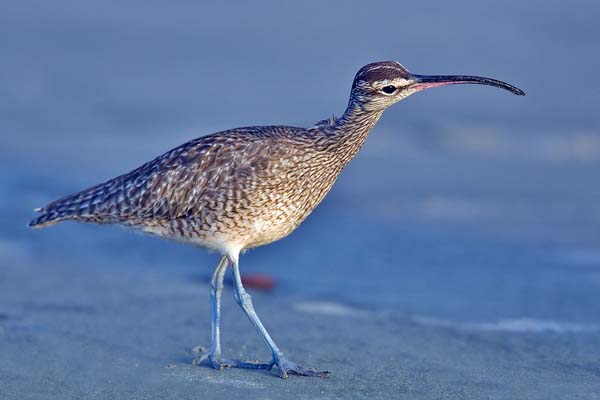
243,187
246,187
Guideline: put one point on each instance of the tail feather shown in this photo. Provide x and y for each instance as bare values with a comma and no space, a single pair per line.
65,208
59,210
51,216
46,219
106,202
79,206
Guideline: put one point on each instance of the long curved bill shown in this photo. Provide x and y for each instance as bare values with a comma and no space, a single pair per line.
423,82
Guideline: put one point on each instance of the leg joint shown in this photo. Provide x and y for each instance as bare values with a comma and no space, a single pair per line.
242,297
216,285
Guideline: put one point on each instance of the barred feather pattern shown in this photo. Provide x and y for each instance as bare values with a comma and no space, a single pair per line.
234,189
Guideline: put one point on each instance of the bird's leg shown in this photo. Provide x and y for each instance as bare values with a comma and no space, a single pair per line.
213,356
245,301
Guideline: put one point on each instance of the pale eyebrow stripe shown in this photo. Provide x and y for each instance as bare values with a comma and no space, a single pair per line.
400,82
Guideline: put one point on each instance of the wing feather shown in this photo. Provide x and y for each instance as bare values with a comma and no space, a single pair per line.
179,183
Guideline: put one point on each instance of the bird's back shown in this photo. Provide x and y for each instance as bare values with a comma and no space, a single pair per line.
255,183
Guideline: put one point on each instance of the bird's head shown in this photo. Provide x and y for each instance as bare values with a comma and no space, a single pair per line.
379,85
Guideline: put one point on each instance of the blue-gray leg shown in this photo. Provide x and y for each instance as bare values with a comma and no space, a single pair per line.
213,356
245,301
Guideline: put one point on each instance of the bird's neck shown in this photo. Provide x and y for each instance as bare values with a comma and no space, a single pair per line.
349,132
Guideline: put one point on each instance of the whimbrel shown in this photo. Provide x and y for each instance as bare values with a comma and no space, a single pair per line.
242,188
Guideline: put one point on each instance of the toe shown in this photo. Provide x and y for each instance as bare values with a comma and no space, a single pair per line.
212,361
248,364
218,362
200,359
289,368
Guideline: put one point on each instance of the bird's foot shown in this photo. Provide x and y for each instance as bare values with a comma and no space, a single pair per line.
215,361
287,367
211,359
284,366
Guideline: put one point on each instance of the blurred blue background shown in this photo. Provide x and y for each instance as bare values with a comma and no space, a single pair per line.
467,205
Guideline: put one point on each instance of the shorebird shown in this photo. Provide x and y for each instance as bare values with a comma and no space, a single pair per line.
246,187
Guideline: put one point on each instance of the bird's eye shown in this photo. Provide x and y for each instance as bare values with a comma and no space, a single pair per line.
391,89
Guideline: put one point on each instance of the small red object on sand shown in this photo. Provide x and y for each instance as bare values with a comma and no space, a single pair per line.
258,281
